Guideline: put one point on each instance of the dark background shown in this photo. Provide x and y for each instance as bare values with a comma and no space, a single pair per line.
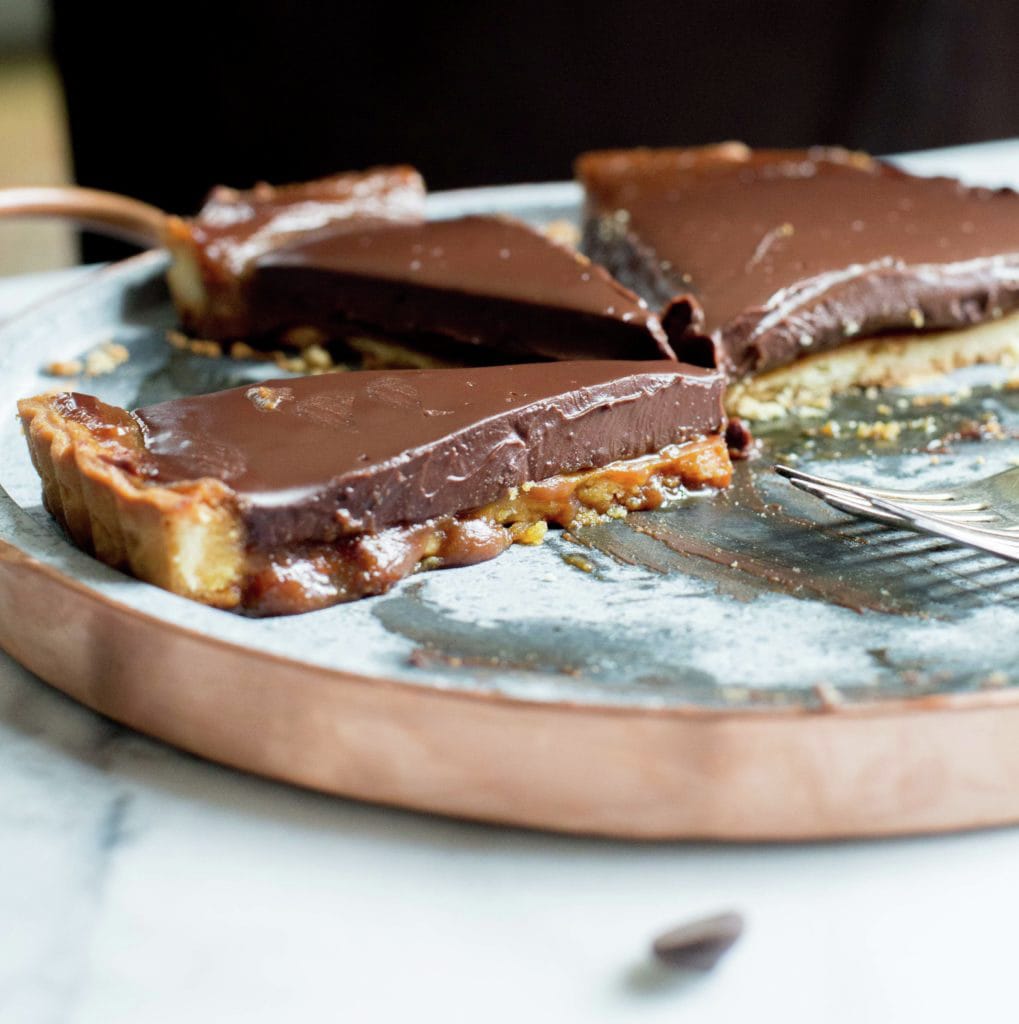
167,99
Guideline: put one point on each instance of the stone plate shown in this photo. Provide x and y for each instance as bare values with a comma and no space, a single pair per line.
750,665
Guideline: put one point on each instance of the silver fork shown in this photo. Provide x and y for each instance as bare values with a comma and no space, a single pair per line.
983,514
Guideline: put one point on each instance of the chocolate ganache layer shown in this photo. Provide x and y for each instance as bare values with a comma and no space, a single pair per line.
317,458
491,288
760,257
214,251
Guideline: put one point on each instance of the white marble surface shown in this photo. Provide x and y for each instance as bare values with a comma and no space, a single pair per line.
138,884
142,885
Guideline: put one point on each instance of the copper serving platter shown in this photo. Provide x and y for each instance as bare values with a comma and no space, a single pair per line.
751,666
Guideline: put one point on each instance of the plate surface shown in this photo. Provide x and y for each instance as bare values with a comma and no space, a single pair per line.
749,665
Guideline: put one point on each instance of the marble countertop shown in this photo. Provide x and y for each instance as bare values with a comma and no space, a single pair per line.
139,884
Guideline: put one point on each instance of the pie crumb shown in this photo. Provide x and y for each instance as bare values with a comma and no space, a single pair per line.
64,368
105,359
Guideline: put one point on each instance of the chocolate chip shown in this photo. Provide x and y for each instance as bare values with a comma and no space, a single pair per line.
699,945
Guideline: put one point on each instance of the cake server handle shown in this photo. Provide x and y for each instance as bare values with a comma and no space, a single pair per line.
105,212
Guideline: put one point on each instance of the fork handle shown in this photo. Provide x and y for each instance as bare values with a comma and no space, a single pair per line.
105,212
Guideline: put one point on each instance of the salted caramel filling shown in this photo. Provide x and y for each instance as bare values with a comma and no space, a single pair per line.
293,580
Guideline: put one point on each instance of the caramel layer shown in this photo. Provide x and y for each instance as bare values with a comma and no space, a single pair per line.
290,581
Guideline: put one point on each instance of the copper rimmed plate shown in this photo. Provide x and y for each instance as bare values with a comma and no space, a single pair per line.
738,667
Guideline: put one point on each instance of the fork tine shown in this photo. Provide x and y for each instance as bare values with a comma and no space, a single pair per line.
953,507
951,514
797,474
869,503
848,501
933,502
942,503
983,540
859,504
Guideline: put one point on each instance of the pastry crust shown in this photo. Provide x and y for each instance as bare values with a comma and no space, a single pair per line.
807,386
187,538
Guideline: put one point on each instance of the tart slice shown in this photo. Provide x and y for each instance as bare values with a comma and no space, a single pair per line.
300,493
769,261
479,289
214,253
473,289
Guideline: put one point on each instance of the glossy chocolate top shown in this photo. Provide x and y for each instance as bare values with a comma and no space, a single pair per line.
234,227
482,282
775,253
313,458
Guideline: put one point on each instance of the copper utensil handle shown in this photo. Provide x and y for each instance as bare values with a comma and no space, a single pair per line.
105,212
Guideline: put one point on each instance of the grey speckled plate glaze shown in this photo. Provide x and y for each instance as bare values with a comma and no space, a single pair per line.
751,600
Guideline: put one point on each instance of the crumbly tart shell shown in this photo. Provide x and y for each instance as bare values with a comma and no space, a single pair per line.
190,537
895,360
187,538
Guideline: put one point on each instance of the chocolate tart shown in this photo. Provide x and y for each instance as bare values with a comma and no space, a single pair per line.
766,262
472,289
377,286
296,494
214,252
